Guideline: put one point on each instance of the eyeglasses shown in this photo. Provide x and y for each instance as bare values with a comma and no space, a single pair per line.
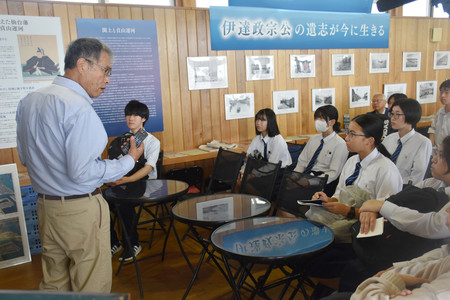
351,134
395,116
105,69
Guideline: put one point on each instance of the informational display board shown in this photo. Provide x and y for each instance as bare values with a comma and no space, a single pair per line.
135,70
31,55
253,28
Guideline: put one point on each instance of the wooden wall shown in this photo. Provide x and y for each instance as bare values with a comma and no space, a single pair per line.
192,118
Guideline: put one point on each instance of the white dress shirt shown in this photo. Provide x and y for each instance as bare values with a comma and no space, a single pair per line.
414,157
440,126
331,159
276,149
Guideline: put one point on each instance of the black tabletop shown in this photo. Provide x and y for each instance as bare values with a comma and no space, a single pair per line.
271,239
217,209
152,190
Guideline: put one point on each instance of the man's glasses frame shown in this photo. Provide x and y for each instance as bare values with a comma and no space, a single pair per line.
105,69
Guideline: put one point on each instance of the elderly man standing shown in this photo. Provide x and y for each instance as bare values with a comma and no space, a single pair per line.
60,140
379,104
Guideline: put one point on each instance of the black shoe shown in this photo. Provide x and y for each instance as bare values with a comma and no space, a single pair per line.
127,255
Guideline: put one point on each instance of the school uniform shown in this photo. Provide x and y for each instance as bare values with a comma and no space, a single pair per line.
276,149
440,126
414,156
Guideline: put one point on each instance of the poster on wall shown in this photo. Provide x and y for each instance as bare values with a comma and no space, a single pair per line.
135,70
259,67
239,106
14,247
441,60
303,66
426,91
411,61
359,96
207,72
394,88
379,63
31,56
321,97
285,102
342,64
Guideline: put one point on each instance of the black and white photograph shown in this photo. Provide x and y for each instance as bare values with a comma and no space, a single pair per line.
359,96
260,67
394,88
342,64
441,60
207,72
426,91
239,106
285,102
379,63
411,61
14,247
321,97
303,66
217,209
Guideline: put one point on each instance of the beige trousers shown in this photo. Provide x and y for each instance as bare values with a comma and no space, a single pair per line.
76,251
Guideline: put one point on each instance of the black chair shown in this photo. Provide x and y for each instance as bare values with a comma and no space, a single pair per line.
259,178
225,172
191,175
159,164
294,151
298,186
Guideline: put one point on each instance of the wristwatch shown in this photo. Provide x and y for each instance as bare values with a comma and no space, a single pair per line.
351,214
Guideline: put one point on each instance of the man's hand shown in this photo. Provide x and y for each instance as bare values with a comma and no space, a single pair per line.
368,220
135,152
120,181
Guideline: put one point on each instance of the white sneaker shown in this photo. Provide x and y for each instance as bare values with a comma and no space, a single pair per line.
115,249
128,255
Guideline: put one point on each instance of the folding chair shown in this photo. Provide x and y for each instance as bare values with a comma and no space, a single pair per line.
298,186
225,172
294,151
192,175
259,178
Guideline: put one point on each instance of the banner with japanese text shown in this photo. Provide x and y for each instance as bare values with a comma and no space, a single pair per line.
245,28
135,71
31,56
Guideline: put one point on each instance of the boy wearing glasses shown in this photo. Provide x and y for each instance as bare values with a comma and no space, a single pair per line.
410,151
440,127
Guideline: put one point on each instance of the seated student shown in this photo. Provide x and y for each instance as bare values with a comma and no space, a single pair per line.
136,114
379,104
394,97
440,127
325,153
410,151
425,277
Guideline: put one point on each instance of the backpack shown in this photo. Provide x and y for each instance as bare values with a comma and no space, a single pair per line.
115,152
395,245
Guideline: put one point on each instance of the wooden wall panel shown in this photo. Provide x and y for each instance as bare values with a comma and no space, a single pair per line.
195,117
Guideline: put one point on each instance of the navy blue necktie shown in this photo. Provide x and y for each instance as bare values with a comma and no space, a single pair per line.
313,160
397,152
265,150
352,178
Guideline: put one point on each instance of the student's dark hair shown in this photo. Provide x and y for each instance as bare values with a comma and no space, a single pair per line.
412,110
85,48
445,85
446,151
373,126
272,126
328,113
137,108
396,96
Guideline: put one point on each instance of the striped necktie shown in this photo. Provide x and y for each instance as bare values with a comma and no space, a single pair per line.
352,178
313,160
397,152
265,150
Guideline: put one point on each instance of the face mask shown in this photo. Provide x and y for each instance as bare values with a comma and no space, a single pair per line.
321,125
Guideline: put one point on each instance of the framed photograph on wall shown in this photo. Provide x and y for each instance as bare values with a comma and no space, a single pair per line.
441,60
207,72
285,102
394,88
342,64
14,248
259,67
411,61
359,96
303,66
426,91
321,97
239,106
379,63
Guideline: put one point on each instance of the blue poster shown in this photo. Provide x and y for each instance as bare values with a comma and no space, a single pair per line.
362,6
135,71
251,28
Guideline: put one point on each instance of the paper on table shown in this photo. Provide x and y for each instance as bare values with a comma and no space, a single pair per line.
379,225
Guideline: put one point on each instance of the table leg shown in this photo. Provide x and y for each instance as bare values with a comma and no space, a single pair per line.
231,279
179,243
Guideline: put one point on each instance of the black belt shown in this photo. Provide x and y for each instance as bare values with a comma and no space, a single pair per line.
50,197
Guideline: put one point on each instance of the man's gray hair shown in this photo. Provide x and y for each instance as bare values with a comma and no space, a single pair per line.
383,96
85,48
